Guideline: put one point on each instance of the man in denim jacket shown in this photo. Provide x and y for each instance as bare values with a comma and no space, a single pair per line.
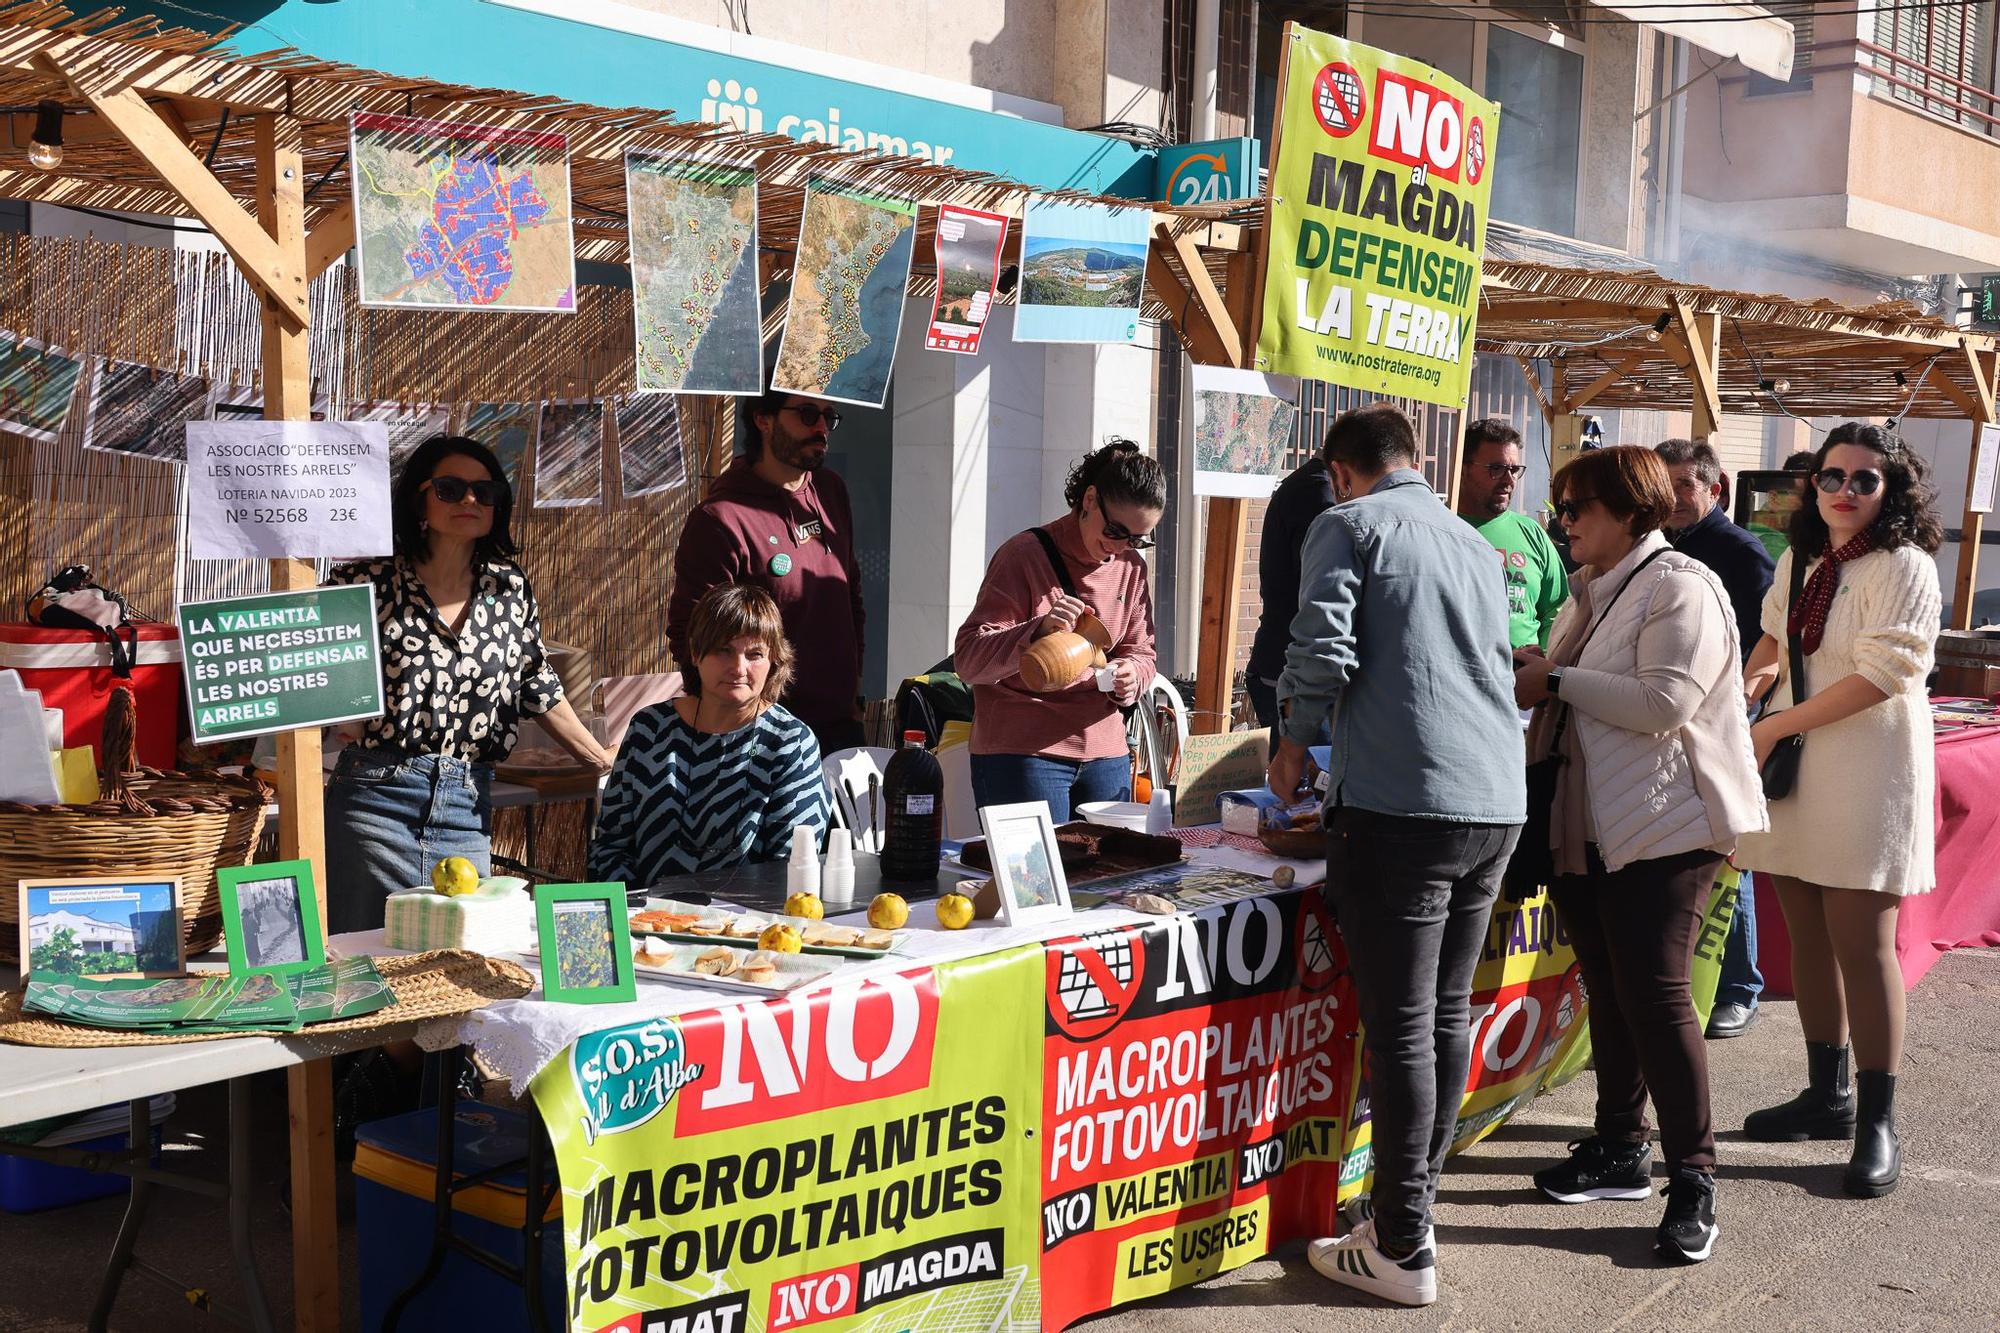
1402,640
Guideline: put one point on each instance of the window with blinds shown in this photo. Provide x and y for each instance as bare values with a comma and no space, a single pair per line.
1802,61
1943,60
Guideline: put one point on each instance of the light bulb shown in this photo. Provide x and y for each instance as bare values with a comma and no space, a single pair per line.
45,156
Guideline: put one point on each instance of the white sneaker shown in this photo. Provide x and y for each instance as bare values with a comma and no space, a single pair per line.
1354,1260
1361,1208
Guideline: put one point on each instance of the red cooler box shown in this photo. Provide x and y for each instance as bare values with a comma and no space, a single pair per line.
72,669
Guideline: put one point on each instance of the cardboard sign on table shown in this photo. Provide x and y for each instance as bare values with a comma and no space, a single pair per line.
1212,765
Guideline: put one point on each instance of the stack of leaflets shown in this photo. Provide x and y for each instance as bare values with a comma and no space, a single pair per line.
215,1002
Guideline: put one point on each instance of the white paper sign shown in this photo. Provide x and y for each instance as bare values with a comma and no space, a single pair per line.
1981,499
288,489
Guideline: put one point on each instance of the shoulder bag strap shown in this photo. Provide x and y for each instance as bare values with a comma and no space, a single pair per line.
1056,562
1562,710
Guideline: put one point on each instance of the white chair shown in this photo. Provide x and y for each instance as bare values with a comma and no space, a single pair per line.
961,810
1159,731
847,774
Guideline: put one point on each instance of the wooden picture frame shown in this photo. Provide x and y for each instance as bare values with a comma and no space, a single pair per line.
86,898
260,944
1027,864
581,963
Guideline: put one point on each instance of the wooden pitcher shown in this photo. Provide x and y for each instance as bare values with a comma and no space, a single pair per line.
1054,661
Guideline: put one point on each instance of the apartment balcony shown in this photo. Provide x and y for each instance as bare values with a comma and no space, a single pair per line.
1882,154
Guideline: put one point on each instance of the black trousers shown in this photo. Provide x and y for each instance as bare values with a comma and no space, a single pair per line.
1634,934
1413,897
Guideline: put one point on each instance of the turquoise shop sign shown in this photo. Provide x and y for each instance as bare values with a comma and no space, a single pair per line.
495,45
1207,173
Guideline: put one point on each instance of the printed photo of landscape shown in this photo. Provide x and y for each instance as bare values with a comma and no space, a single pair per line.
1058,270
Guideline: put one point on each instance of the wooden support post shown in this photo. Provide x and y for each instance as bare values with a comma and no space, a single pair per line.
287,385
1565,440
1973,525
1702,335
331,237
1222,571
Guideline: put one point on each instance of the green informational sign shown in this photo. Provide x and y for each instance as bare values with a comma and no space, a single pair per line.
1379,193
280,661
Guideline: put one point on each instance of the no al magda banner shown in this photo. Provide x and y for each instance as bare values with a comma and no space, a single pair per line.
1378,210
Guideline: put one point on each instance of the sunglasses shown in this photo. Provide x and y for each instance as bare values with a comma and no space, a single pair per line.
1833,480
451,490
811,416
1567,510
1499,470
1114,531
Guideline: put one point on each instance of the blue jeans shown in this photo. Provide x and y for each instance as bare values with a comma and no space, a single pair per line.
1741,982
390,820
1010,779
1264,707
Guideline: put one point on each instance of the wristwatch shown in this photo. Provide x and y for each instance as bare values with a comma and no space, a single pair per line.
1555,683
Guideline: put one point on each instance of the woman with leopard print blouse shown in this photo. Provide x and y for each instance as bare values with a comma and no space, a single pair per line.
462,661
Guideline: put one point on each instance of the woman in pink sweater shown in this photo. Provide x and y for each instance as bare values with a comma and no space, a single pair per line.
1066,747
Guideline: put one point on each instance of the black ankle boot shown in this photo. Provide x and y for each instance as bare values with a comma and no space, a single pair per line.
1825,1110
1878,1153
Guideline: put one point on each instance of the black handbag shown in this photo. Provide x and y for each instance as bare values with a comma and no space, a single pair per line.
1781,767
1533,863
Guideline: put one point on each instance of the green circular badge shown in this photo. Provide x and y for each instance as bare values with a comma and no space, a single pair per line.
781,564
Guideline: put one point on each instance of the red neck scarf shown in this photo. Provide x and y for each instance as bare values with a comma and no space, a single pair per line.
1808,619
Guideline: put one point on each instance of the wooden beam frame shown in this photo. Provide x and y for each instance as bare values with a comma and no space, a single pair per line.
255,252
1619,370
1534,382
1207,299
330,238
1985,370
1700,335
1222,570
1194,321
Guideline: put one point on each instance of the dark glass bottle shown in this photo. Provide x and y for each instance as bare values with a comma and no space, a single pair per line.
913,822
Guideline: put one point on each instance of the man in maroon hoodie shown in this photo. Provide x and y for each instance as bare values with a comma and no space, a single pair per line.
777,518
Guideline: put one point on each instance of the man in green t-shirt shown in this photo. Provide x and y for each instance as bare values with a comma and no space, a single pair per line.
1536,584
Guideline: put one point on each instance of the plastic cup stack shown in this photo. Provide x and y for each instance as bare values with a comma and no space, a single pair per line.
802,874
838,882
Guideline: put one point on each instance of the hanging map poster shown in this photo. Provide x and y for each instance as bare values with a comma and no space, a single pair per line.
694,276
569,456
36,385
138,410
1083,270
507,429
968,269
846,309
461,217
1243,425
650,455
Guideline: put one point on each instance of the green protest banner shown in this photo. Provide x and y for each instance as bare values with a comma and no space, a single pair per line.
1380,182
281,661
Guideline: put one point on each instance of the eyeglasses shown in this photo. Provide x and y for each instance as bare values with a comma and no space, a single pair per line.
1833,480
811,416
1499,470
1567,510
451,490
1115,531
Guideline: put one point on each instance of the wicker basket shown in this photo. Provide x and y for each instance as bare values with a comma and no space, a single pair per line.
149,823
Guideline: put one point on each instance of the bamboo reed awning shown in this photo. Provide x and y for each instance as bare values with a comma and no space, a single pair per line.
210,97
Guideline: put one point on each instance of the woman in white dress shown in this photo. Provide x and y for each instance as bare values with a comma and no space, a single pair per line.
1867,623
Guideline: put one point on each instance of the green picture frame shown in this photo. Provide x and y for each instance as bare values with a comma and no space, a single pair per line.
584,944
270,919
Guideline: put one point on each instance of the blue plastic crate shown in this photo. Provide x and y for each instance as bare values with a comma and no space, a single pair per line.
30,1186
393,1219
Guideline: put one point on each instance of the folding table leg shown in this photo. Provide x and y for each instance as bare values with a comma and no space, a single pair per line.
240,1245
441,1195
141,1131
534,1232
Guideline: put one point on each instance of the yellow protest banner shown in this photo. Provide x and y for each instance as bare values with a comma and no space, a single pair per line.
1380,181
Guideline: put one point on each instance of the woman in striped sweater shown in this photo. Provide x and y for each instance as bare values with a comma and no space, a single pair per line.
723,774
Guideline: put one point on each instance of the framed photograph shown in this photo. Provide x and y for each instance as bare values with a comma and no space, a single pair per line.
270,919
100,928
1027,867
586,947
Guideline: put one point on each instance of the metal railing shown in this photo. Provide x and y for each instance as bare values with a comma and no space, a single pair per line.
1938,92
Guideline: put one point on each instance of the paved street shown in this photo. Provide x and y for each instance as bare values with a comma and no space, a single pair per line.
1794,1253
